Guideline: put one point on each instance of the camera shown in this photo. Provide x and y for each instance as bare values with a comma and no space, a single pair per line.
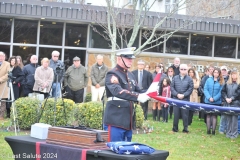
59,67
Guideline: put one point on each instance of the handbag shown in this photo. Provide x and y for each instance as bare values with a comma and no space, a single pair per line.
200,91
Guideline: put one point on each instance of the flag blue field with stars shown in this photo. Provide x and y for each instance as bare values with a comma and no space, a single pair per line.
122,147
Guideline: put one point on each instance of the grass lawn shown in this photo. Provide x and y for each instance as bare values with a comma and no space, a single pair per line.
193,146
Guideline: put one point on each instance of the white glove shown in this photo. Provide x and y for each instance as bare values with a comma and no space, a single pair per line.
142,98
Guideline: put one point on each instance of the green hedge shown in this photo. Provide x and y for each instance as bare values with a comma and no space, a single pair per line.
88,114
27,111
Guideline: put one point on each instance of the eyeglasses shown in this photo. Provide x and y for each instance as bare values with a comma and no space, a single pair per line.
55,56
183,69
170,71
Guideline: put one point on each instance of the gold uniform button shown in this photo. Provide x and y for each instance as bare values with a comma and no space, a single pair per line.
119,106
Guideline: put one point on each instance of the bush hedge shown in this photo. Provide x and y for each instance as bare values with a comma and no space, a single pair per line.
27,111
89,114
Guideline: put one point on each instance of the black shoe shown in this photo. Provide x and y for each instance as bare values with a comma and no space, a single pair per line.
185,131
213,132
174,130
208,132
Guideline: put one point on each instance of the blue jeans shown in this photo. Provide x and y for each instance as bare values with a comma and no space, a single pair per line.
56,89
223,124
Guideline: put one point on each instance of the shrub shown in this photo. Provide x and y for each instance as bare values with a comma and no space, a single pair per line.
63,112
90,115
88,98
27,112
139,116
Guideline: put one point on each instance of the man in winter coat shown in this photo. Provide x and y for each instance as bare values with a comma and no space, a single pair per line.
75,80
29,72
181,89
98,74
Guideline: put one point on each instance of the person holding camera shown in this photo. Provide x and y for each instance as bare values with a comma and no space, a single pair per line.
59,69
43,78
75,80
4,68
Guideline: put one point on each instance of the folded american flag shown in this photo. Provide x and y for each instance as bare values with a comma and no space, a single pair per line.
122,147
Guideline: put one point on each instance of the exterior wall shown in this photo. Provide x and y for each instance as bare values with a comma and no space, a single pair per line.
223,9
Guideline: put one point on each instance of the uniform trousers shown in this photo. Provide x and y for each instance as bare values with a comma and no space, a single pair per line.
119,134
97,93
184,113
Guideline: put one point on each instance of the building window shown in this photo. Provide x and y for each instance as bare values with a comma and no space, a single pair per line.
98,38
171,6
5,29
155,46
25,31
76,35
126,35
69,54
25,52
238,48
6,50
51,33
225,47
177,44
201,45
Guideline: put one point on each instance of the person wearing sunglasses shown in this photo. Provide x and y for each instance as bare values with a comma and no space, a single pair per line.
181,89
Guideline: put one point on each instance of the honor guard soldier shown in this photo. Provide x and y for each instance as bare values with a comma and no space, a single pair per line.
122,91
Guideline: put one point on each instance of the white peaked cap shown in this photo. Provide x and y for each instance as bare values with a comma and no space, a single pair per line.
126,52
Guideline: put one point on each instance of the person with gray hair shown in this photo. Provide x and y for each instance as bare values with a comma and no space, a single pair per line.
144,80
176,66
4,68
59,70
181,89
98,74
29,72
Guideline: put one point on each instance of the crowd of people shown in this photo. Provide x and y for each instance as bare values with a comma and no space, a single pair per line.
218,86
45,79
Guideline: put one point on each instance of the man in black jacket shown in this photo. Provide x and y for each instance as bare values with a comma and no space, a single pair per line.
29,71
144,80
175,66
181,89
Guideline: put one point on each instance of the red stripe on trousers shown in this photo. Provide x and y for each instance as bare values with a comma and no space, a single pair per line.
109,133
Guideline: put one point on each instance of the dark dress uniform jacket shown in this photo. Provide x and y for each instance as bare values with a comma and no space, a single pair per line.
119,113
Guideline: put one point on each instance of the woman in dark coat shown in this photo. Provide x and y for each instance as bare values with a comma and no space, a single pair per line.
17,77
231,99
